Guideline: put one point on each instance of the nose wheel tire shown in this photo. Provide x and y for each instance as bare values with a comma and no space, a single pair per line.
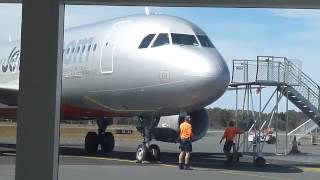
154,152
141,153
91,142
107,142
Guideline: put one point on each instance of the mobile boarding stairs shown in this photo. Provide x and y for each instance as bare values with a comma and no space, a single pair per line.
290,82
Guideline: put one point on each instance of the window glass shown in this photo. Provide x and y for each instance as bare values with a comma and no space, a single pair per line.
205,41
73,50
162,39
83,48
184,39
68,50
89,47
146,41
78,49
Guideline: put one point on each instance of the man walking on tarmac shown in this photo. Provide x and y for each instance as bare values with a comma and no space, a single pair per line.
185,144
229,135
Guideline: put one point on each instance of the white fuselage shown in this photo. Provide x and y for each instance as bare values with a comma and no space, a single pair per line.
107,73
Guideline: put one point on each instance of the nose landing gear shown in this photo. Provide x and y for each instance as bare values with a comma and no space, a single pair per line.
145,151
150,154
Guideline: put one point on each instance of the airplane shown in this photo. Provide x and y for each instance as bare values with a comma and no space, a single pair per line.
155,68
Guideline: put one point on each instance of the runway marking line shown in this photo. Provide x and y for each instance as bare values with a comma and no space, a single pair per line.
230,172
317,170
104,158
252,175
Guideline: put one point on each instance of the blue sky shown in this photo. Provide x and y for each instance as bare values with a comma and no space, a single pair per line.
237,33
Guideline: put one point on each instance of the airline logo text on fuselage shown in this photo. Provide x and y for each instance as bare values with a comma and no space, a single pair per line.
12,64
77,52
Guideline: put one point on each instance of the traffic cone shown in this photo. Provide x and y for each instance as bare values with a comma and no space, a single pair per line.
294,149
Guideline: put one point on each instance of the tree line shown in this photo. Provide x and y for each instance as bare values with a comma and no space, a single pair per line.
219,119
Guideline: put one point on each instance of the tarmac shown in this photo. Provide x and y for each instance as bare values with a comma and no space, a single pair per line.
207,162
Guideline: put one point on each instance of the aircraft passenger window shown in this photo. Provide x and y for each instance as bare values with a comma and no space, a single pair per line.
146,41
184,39
73,50
205,41
162,39
68,50
94,47
89,47
83,48
78,49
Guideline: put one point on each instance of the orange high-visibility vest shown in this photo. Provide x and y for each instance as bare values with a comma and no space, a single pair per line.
230,133
185,130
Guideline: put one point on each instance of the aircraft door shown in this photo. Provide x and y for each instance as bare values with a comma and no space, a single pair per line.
109,46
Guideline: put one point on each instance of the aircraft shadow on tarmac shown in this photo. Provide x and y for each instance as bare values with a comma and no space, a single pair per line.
204,161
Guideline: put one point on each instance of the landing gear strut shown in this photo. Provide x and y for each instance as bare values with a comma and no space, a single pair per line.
105,139
145,151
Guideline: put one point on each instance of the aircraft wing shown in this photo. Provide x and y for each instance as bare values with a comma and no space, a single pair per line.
9,93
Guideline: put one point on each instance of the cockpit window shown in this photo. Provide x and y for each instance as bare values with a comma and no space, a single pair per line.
146,41
162,39
184,39
205,41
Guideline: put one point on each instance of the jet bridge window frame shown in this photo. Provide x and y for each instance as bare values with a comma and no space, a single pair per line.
146,41
182,41
160,43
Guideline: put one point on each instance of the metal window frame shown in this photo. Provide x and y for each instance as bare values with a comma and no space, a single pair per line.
55,54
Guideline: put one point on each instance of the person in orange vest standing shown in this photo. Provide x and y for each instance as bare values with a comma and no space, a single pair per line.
229,134
186,136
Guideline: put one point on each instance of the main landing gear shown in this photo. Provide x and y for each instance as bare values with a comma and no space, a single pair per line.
145,151
105,139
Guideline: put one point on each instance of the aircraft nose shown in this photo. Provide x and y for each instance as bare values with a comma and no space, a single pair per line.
210,82
211,66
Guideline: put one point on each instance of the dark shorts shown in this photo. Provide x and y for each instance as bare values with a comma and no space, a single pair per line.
227,146
186,145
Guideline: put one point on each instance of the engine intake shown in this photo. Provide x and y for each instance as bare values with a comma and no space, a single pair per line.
167,129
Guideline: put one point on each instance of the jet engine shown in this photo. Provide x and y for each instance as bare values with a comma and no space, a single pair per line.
167,129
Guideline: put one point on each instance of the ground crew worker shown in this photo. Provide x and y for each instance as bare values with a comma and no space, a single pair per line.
229,135
185,144
269,131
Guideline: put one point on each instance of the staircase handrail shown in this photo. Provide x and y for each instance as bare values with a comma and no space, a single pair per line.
291,132
305,85
304,77
305,82
312,82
